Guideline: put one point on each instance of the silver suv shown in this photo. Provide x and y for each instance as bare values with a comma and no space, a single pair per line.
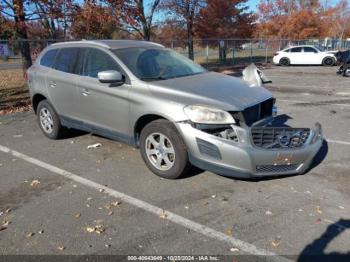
175,111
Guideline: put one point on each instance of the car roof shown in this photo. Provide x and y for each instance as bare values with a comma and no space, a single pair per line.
109,44
300,46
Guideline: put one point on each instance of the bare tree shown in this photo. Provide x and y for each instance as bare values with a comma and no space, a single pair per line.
135,16
187,12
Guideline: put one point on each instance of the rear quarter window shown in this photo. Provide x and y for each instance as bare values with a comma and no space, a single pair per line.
67,60
48,58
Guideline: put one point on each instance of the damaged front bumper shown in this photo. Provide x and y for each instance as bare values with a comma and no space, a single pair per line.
255,151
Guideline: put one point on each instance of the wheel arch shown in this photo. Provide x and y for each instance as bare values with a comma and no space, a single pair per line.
36,99
286,58
142,122
329,57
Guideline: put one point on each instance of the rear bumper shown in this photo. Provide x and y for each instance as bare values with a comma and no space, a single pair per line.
276,60
242,159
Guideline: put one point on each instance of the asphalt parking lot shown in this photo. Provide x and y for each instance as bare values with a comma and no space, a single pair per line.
62,198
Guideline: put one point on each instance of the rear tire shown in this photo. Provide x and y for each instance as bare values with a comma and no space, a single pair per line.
163,150
328,61
347,72
49,121
284,61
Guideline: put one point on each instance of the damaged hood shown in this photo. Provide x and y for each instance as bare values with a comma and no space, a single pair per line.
214,89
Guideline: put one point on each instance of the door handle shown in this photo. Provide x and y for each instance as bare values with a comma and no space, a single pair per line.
52,84
85,92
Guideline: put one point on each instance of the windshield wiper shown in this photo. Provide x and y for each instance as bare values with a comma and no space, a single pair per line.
191,74
153,78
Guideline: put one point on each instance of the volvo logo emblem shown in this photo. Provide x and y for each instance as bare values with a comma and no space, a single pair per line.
284,140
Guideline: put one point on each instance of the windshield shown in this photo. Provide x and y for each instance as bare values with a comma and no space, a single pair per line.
320,48
152,64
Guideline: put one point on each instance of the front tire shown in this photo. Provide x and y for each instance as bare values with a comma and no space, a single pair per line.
49,121
284,61
163,149
328,61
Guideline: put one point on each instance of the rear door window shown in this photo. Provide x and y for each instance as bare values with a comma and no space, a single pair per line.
97,61
295,50
66,60
308,49
49,58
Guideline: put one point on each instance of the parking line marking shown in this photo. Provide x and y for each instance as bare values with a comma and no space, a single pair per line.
338,142
306,102
177,219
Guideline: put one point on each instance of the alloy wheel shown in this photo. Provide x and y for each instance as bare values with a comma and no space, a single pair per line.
46,120
160,151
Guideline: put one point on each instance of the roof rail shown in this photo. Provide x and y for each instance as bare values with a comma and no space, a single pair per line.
84,41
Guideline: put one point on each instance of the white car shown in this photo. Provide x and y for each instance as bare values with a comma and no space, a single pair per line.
304,55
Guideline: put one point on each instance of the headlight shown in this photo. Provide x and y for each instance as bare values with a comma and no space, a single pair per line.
208,115
317,130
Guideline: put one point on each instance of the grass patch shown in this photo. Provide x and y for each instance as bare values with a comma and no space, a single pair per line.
14,93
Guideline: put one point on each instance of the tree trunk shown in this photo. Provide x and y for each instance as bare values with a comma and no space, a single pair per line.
190,38
146,33
21,30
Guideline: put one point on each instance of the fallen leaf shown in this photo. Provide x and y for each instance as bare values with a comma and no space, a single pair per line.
229,232
318,210
341,207
234,249
30,234
213,196
300,210
17,136
77,215
187,207
99,229
110,213
107,245
89,199
206,203
61,248
35,182
275,242
318,221
41,232
90,229
268,212
8,210
6,223
101,190
224,199
98,162
94,146
163,215
87,205
112,205
75,186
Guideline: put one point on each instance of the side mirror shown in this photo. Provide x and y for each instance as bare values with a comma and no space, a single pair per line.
110,77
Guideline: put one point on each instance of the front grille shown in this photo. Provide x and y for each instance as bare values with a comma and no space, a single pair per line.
279,137
276,168
257,112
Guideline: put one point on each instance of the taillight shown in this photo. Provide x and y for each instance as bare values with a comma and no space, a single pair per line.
25,76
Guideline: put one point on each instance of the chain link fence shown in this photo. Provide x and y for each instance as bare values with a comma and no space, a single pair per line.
206,51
